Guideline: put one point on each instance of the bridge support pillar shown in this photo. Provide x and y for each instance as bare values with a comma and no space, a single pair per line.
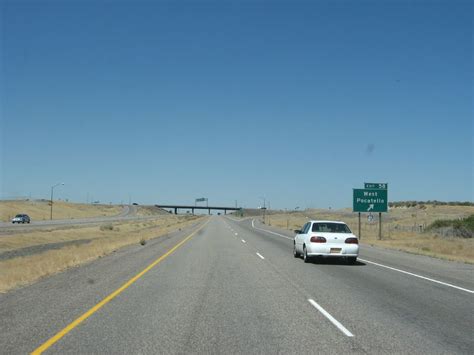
175,211
193,211
225,211
209,210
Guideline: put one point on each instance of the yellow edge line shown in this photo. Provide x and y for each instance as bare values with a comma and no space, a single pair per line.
110,297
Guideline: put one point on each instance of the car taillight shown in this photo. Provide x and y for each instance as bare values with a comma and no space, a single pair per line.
318,240
352,241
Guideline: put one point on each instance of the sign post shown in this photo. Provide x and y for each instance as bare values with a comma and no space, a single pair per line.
380,225
360,234
373,198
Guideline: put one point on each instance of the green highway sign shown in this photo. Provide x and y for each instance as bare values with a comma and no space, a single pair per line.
202,199
370,200
376,185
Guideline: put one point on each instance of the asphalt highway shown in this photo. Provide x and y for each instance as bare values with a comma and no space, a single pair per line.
227,286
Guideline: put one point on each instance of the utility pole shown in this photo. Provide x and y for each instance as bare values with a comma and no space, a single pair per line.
52,190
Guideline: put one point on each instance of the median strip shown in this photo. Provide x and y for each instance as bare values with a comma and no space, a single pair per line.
33,255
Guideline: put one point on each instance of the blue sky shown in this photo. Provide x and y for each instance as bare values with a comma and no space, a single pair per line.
294,101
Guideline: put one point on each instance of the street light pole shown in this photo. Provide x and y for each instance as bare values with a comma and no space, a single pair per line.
52,189
264,208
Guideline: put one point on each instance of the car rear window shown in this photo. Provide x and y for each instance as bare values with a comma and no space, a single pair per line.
331,228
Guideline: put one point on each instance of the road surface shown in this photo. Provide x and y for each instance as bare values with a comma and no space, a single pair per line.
227,287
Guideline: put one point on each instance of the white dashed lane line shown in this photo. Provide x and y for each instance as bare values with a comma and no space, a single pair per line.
311,301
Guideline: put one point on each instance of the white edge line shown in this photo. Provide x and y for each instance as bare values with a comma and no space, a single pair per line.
331,318
260,256
243,241
264,230
419,276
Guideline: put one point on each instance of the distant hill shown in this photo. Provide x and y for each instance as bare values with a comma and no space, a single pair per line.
429,202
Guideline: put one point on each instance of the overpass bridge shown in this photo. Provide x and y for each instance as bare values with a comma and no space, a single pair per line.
192,208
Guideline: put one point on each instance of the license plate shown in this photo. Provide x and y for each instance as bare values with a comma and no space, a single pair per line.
335,250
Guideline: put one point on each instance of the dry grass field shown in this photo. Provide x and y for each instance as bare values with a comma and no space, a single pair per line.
145,211
403,229
39,210
25,258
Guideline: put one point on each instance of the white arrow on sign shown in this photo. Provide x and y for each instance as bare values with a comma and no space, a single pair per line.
371,207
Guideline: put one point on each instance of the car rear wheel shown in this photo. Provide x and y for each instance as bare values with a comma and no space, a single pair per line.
306,258
295,253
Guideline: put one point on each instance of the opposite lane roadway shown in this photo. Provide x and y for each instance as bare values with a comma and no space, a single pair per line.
128,213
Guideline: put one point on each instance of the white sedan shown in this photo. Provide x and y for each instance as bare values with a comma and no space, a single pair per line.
326,239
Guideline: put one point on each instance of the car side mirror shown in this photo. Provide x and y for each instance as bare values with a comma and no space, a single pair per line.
297,231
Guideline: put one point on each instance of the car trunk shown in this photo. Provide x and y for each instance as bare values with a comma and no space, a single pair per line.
333,238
